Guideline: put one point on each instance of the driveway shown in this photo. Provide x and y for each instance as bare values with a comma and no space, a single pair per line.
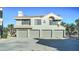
14,44
61,44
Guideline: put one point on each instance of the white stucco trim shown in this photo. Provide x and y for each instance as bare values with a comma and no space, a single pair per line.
54,15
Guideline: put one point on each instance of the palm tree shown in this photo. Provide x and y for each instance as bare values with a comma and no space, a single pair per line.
68,29
5,32
72,28
11,28
63,24
77,26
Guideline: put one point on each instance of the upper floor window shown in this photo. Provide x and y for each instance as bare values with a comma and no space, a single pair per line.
26,22
44,21
51,22
37,21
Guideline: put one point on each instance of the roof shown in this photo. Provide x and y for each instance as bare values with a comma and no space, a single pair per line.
40,16
24,17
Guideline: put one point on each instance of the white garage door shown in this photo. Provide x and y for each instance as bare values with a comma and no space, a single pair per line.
22,33
46,33
57,33
34,33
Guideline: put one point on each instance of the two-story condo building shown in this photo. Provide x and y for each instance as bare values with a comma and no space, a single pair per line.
45,26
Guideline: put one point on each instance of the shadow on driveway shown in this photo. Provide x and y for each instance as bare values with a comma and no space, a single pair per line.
61,44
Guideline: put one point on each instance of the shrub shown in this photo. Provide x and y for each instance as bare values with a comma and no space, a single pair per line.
5,35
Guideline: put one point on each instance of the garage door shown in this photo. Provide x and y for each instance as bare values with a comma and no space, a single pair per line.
57,33
46,33
22,33
34,33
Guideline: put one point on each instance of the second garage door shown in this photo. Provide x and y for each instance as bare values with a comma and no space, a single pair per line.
46,33
34,33
57,34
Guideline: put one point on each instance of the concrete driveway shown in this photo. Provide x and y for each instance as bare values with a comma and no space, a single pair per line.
14,44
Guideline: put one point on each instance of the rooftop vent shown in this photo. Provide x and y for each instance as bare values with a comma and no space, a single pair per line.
20,13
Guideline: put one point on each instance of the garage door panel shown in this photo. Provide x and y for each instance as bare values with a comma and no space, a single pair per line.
22,33
46,33
57,33
34,33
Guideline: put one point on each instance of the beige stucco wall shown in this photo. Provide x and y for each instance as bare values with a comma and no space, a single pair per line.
42,26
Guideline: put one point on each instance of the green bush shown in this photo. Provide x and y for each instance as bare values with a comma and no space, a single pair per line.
4,35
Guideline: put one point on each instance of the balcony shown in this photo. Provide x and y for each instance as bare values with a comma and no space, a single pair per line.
23,26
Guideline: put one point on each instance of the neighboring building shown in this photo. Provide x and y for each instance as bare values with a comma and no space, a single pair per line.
46,26
1,21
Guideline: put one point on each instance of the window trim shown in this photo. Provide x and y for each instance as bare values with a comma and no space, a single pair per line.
36,22
51,22
26,22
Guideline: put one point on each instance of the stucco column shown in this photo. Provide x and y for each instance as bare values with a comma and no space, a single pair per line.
40,33
51,33
28,33
17,33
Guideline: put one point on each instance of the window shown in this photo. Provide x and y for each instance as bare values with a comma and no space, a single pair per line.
51,22
26,22
44,21
38,22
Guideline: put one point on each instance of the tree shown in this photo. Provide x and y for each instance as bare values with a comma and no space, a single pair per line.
68,29
1,30
63,24
77,26
11,28
72,28
5,32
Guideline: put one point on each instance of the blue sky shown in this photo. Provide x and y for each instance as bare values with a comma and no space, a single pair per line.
69,14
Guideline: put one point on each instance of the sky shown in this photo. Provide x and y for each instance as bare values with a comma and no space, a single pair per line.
69,14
